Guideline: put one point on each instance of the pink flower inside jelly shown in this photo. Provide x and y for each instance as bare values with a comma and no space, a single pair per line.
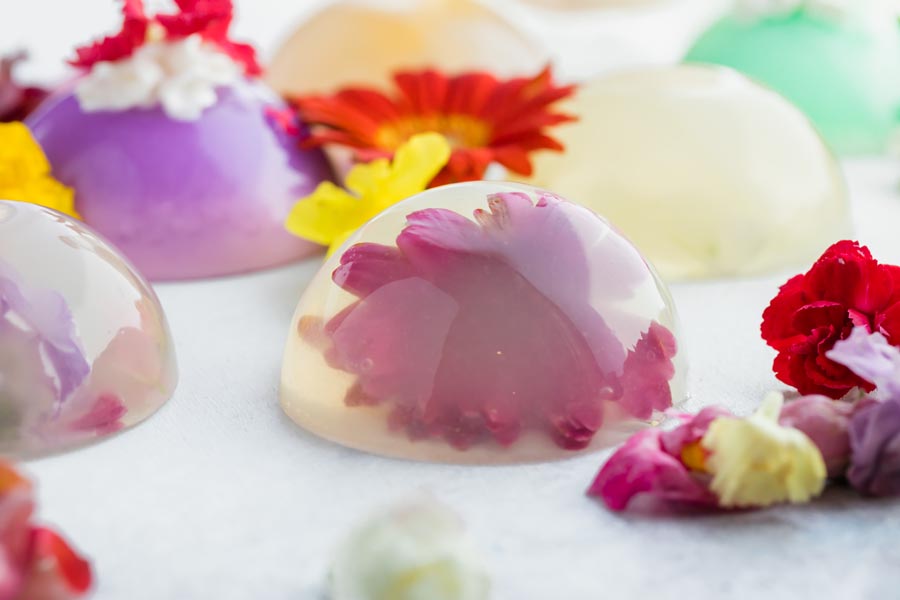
479,331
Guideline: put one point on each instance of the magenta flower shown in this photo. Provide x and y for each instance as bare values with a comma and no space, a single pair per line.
16,101
477,331
651,463
875,444
826,422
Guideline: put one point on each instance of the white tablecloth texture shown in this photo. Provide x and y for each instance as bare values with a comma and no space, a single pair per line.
219,496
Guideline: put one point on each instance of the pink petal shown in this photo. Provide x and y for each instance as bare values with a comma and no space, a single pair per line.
641,466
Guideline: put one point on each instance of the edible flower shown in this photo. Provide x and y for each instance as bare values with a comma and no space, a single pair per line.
415,551
25,172
16,101
485,120
36,563
714,460
757,462
176,61
330,214
874,428
845,288
208,19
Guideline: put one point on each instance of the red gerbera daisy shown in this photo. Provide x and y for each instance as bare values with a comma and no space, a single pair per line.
209,19
485,120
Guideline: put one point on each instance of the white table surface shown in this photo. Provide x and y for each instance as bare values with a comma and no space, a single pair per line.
220,496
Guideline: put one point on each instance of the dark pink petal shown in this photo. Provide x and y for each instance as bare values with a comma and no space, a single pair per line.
478,330
641,466
104,417
648,370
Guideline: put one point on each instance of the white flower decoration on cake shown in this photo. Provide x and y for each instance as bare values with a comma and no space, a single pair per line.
767,8
180,76
418,551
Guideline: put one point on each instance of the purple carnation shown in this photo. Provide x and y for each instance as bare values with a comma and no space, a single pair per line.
875,444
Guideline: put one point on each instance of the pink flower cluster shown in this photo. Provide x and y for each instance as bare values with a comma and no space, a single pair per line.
859,441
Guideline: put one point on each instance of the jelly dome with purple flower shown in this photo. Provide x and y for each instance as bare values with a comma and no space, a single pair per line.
178,154
482,322
85,350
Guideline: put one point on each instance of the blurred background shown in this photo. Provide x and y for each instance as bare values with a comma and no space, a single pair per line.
619,33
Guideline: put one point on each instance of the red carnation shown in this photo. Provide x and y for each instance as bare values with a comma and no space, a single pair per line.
846,287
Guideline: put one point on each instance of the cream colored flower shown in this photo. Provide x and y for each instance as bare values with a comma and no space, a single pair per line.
757,462
418,551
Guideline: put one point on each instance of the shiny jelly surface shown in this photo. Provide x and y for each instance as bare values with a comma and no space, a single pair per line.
186,199
833,68
85,350
363,42
482,322
708,173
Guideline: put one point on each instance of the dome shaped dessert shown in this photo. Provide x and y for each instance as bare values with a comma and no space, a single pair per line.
830,62
482,322
85,350
178,154
708,173
363,42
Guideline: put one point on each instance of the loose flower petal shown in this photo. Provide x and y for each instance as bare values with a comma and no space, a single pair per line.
757,462
418,551
875,443
35,562
643,466
870,356
25,172
330,215
826,422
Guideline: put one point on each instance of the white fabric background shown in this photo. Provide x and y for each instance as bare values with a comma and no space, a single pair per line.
221,496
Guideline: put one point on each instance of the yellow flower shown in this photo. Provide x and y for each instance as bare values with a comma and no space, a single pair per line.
331,214
25,172
757,462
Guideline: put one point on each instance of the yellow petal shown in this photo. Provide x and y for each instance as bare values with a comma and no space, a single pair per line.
25,172
757,462
325,215
21,157
330,215
367,179
415,164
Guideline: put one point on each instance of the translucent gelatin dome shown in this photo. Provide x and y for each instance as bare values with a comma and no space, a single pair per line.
363,42
482,322
186,199
85,350
832,67
708,173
